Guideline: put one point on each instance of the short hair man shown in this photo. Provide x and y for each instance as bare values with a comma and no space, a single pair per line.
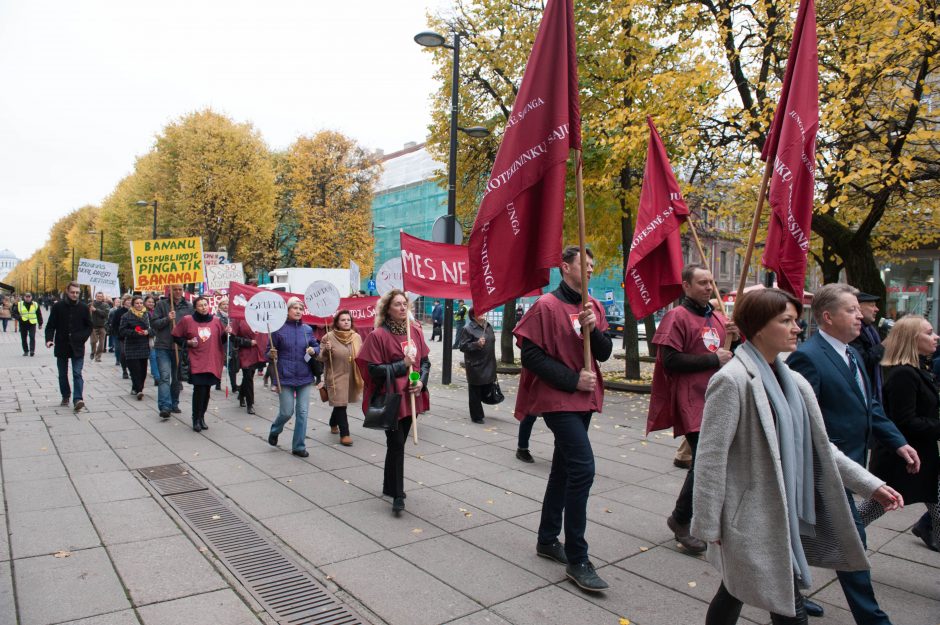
166,314
99,309
555,384
29,315
868,342
460,319
68,328
691,339
851,411
437,321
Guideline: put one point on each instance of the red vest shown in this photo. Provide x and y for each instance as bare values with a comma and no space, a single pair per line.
208,355
383,347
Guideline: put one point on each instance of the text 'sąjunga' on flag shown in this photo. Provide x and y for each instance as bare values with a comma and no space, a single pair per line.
653,276
516,237
791,144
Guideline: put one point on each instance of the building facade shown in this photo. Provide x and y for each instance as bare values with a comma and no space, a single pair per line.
8,261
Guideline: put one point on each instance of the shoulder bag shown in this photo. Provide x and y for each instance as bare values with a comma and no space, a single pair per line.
382,413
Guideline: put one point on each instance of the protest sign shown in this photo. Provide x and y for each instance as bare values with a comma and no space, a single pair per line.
322,298
100,276
435,269
161,262
389,277
362,309
354,277
214,258
219,276
266,312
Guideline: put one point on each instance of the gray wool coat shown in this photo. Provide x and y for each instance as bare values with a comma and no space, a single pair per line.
739,493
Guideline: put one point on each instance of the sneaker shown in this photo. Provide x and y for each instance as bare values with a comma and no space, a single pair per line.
689,542
164,414
176,410
301,453
64,402
398,504
79,405
585,577
126,376
524,455
140,395
554,551
272,440
32,353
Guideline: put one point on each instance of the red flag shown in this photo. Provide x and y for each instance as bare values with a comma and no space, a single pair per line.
653,276
434,269
362,309
792,146
516,237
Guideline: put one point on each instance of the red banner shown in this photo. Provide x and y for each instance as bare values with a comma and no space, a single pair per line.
653,276
516,237
361,308
791,144
434,269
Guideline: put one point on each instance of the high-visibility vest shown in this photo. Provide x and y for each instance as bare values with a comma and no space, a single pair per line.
28,314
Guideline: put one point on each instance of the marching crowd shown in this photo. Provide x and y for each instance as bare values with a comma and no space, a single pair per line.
783,433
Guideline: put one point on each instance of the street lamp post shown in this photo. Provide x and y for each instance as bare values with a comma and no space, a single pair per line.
431,39
154,204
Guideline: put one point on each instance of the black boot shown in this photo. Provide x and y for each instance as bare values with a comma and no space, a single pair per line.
197,427
202,423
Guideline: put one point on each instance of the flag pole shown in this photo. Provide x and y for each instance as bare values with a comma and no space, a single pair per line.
754,225
585,302
414,416
701,253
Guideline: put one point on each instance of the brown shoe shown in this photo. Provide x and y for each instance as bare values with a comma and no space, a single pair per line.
334,429
346,440
689,542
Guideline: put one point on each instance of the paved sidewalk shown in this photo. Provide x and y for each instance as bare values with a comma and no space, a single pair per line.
84,539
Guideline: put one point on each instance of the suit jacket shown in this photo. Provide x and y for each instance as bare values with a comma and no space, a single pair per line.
851,417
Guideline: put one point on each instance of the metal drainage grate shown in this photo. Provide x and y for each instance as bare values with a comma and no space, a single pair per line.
286,590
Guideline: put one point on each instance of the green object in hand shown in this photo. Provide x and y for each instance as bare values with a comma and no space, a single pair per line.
414,376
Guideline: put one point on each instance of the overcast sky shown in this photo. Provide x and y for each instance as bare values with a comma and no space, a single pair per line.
86,85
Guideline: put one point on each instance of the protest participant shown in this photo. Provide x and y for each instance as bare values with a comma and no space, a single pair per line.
477,341
114,320
6,310
252,347
522,440
231,350
394,346
149,303
868,342
135,338
68,328
770,493
460,319
170,360
100,310
690,337
292,347
555,385
204,337
341,378
29,315
437,321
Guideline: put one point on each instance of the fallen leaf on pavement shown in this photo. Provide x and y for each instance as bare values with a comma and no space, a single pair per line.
692,584
644,548
624,621
417,530
62,554
216,517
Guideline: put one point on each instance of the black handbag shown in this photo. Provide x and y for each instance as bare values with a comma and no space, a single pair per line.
382,413
493,395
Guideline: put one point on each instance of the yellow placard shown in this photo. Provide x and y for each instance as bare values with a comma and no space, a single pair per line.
160,262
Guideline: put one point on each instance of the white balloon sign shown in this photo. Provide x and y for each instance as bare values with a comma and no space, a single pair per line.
389,276
322,298
266,312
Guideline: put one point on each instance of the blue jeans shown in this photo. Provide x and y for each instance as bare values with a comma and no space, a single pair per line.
294,400
857,585
154,367
79,382
525,430
169,386
569,483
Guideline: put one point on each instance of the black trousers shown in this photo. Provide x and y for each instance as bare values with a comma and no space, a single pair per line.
232,374
138,370
200,400
437,330
340,419
725,609
28,336
683,511
247,390
474,393
394,484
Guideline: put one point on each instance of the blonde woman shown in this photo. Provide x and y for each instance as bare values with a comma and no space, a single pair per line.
342,380
911,402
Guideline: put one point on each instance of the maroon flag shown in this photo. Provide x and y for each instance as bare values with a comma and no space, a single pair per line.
791,144
516,237
434,269
362,309
654,269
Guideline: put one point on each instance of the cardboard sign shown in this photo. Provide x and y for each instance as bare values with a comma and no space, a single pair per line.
354,277
322,298
161,262
100,276
266,312
389,276
219,276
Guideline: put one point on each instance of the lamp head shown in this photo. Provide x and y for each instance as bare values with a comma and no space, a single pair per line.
429,39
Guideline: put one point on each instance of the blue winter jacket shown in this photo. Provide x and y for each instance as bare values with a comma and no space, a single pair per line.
291,343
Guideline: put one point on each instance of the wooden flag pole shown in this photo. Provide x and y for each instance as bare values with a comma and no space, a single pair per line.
754,225
176,348
701,253
411,396
582,235
277,378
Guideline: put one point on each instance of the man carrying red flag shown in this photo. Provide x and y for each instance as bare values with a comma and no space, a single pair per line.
791,144
517,233
652,278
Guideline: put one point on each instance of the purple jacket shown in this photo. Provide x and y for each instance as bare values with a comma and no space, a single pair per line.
291,343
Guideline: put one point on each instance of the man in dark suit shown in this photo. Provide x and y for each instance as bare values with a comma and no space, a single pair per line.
868,342
851,411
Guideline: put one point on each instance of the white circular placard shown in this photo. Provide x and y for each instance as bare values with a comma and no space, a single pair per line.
266,312
322,298
389,276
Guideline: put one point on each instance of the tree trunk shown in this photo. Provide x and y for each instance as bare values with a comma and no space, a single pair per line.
650,323
631,348
507,355
861,271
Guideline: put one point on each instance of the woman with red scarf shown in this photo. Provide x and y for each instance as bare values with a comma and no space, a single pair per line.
134,332
204,337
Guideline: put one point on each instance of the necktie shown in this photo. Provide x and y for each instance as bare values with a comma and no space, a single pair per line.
853,367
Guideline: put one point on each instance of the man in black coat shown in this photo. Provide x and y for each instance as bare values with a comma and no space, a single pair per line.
68,328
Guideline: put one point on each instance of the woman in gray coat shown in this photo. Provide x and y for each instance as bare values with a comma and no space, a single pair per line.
769,493
477,341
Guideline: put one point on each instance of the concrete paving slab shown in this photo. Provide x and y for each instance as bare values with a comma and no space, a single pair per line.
909,547
493,499
483,617
131,520
368,477
32,468
266,499
214,608
227,470
903,608
80,442
110,486
4,543
141,566
451,515
40,532
25,443
82,585
124,617
325,489
7,603
482,576
909,576
86,462
629,520
278,463
374,518
552,606
425,473
401,593
320,537
146,456
129,438
56,493
515,544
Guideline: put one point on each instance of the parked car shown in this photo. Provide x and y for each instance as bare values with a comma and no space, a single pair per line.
614,326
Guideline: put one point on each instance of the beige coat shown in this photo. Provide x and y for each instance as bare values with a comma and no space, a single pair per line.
739,493
338,378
